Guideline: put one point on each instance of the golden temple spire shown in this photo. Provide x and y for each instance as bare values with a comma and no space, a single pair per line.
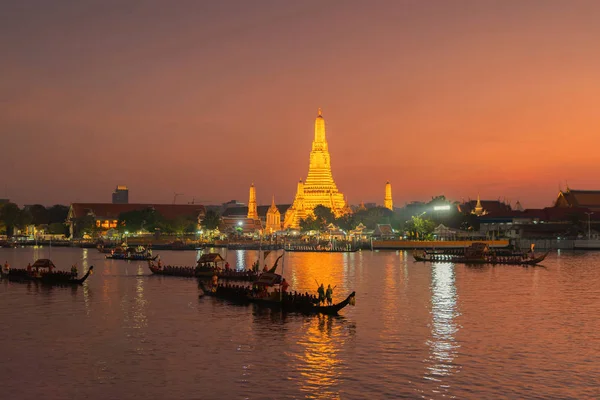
387,200
478,208
252,211
319,187
320,141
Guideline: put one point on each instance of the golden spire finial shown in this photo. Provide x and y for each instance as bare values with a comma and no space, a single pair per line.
320,113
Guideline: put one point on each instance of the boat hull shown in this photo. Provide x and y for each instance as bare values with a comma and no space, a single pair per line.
49,278
132,258
189,272
284,305
485,260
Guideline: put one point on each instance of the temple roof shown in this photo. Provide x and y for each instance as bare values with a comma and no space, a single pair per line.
491,206
579,198
550,214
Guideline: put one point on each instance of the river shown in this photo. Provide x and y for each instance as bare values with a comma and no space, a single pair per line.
418,330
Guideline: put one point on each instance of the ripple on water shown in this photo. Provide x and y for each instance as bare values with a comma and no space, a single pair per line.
417,331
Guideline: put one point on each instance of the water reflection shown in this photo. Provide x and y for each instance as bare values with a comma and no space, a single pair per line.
442,345
139,313
306,271
318,361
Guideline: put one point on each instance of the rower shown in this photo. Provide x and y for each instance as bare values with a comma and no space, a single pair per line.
284,285
321,292
329,294
265,269
28,268
74,269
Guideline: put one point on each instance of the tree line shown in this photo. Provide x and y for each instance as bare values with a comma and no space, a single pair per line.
150,221
402,220
14,218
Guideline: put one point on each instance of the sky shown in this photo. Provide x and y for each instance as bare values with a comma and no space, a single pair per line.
203,98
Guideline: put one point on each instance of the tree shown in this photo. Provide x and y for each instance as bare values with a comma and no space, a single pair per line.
84,224
9,213
420,226
57,213
345,222
325,214
183,224
25,218
39,214
131,221
57,228
310,223
211,220
373,216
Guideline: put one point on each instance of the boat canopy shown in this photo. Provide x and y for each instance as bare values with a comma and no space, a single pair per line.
43,263
268,279
210,258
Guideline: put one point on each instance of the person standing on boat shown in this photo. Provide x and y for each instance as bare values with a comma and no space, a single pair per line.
215,281
74,270
329,294
265,269
321,292
284,285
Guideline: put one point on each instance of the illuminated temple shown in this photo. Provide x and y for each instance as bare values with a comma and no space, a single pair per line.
319,187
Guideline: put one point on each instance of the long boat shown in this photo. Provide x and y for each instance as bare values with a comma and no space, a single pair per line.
200,272
316,249
276,301
479,253
208,265
131,256
41,271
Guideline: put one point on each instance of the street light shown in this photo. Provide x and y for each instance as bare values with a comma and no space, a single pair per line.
589,224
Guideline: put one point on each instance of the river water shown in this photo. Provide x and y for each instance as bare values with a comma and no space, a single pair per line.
418,330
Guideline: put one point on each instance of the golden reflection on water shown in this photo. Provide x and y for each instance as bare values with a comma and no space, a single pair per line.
312,269
318,362
442,345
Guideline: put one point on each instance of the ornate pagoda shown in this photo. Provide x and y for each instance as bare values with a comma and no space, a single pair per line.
319,187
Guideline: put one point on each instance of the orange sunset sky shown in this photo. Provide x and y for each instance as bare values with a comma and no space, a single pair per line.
203,98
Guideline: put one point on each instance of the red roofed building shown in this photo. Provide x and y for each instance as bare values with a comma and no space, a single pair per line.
579,199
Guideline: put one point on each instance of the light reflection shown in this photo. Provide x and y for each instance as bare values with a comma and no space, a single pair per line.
318,363
139,314
87,299
442,345
306,271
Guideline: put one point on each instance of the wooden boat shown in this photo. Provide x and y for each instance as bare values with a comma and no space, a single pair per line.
238,296
41,271
140,254
208,264
107,250
479,253
285,302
